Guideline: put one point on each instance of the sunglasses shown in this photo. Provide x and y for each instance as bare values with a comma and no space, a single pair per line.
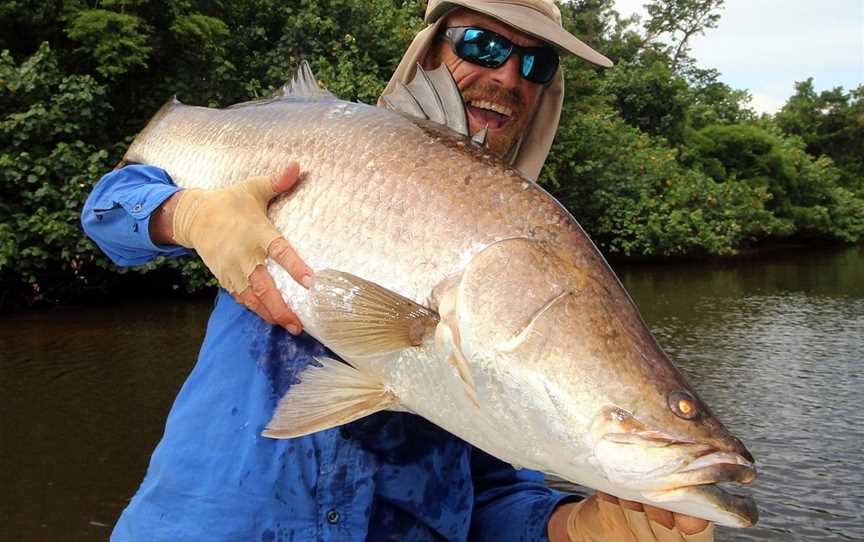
490,50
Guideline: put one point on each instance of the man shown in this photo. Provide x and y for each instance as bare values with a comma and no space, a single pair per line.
390,476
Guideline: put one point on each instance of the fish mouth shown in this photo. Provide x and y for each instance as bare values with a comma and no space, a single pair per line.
718,466
675,471
689,463
688,478
493,115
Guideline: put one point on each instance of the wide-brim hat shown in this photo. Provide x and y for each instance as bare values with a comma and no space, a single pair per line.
538,18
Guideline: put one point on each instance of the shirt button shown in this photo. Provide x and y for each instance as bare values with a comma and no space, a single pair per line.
137,207
344,433
333,516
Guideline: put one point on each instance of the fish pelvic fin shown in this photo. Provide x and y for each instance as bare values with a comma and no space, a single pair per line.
360,319
305,85
431,95
328,396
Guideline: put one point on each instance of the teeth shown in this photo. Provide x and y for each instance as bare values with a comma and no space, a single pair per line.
498,108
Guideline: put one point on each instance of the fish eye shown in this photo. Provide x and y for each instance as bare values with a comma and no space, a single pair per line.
683,404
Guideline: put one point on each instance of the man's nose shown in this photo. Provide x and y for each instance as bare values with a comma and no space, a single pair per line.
509,74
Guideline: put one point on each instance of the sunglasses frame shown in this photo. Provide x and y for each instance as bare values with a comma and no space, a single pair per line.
455,35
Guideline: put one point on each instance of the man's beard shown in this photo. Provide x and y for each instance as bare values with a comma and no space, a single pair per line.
504,138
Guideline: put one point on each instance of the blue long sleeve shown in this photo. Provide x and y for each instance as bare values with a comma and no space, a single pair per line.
510,504
117,213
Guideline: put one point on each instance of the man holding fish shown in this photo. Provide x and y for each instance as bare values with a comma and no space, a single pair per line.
390,475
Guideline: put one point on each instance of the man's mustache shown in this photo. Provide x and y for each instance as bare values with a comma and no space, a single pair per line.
511,98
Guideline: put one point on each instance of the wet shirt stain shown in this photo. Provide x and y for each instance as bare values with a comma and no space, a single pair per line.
390,476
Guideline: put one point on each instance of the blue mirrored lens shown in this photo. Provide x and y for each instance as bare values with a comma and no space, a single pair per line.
539,64
527,65
484,47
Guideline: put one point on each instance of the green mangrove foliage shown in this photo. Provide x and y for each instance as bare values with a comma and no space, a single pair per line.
655,157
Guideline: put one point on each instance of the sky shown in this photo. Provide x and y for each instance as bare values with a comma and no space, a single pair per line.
764,46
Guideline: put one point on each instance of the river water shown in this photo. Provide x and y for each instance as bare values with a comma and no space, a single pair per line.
774,346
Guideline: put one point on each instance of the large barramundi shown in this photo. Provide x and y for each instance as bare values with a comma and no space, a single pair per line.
460,291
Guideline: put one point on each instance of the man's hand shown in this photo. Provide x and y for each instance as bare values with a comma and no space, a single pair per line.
604,518
230,230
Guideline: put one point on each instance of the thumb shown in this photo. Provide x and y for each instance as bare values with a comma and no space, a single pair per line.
267,187
286,180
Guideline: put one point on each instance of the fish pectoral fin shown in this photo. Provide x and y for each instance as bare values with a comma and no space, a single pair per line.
359,319
328,396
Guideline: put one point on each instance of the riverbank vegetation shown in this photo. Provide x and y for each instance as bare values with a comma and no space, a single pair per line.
656,157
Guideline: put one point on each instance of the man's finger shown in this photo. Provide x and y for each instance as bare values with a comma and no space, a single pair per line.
637,521
689,524
658,515
630,505
285,255
607,497
265,290
286,179
267,187
251,302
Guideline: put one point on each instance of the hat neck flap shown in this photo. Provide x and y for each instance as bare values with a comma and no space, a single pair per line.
533,147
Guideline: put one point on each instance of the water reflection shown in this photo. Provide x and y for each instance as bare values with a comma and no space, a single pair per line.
775,347
777,351
85,392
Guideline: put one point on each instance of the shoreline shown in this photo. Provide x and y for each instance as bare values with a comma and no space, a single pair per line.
167,285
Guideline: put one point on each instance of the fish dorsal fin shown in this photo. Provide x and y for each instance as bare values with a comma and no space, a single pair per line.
402,101
431,95
304,85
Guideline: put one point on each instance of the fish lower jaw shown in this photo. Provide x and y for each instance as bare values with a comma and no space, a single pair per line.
668,481
710,502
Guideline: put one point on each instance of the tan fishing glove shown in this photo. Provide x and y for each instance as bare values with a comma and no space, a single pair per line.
597,519
228,228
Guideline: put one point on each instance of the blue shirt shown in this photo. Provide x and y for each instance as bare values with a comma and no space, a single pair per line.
390,476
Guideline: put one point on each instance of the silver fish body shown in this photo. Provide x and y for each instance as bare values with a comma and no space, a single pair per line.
535,354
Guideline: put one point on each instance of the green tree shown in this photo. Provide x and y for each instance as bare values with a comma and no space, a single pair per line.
78,80
51,150
116,42
655,157
678,21
806,195
831,123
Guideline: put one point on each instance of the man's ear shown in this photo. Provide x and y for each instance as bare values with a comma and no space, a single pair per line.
432,58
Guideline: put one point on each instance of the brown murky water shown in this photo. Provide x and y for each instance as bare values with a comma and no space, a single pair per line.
776,347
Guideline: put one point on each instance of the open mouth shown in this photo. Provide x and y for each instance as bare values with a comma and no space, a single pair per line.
487,113
722,467
692,480
676,471
696,464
